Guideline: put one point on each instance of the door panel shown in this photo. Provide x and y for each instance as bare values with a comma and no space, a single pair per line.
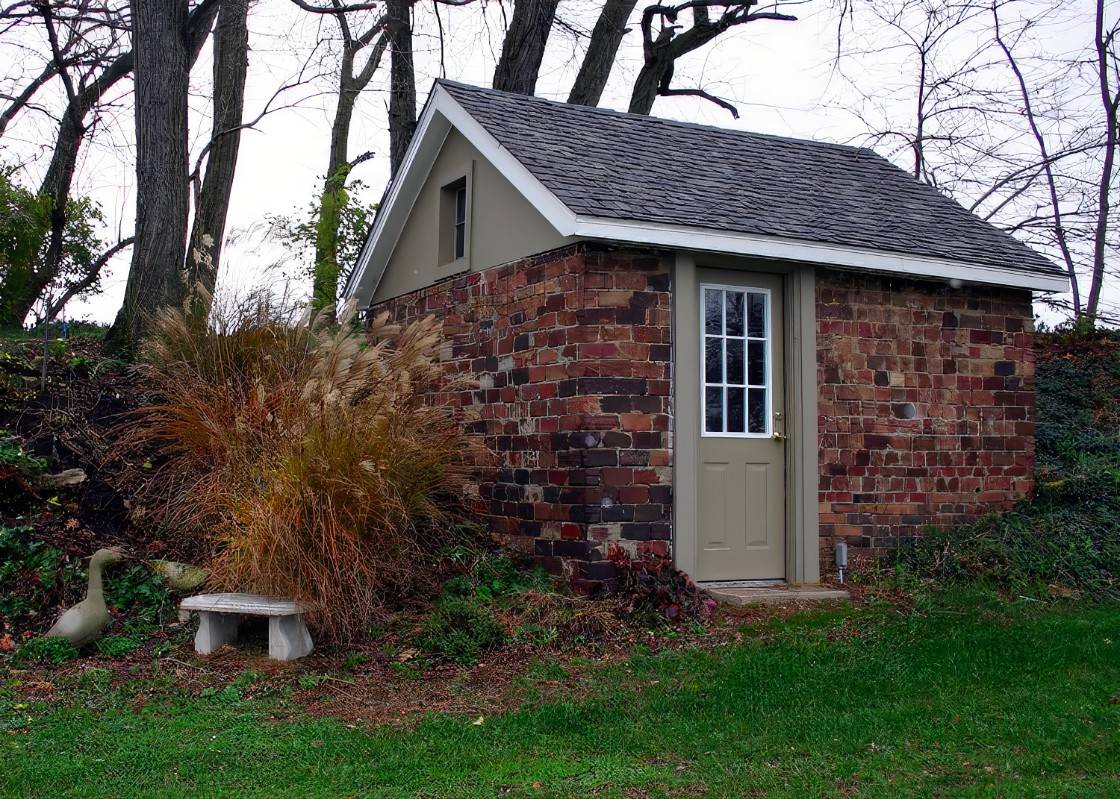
742,451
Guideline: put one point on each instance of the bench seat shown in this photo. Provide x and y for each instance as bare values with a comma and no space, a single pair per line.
220,615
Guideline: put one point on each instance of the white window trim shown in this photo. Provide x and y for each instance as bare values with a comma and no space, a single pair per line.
704,384
441,112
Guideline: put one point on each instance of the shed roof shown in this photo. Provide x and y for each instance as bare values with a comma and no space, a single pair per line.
613,165
598,174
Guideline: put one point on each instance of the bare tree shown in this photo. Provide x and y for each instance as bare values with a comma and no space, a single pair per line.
88,56
352,79
157,277
1108,84
661,50
1034,154
602,50
523,48
231,61
402,80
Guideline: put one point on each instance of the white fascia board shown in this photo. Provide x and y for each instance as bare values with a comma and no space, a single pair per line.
431,130
705,240
547,204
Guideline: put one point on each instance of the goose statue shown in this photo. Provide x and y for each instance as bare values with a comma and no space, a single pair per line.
85,621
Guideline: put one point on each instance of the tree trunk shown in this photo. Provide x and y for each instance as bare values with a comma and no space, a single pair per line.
523,48
231,45
601,52
325,290
1110,99
334,199
402,81
156,278
64,157
646,85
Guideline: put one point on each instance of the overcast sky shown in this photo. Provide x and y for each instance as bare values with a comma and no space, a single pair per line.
781,75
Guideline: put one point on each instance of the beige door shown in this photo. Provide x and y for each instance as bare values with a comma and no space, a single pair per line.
742,459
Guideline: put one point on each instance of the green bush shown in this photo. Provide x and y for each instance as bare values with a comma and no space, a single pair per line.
18,469
1078,399
460,630
40,580
34,577
14,457
46,650
1068,533
116,646
492,576
141,596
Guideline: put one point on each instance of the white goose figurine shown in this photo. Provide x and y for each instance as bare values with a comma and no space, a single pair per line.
85,621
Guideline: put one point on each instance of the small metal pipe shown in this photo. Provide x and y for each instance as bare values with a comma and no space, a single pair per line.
841,560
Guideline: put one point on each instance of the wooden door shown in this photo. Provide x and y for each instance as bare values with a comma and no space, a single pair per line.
742,447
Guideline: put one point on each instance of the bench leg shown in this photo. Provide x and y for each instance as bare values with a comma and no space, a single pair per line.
288,637
214,630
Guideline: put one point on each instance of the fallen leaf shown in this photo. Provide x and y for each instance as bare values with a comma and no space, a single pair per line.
479,721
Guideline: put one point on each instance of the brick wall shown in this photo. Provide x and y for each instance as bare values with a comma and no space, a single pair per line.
926,403
571,350
926,406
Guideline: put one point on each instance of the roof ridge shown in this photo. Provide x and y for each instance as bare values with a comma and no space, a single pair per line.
650,119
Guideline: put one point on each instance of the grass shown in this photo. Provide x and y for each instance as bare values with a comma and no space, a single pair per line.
968,697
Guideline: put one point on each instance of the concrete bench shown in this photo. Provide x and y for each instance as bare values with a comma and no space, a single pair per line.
220,614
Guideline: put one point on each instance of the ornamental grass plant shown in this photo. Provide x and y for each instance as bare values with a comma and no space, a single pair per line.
312,455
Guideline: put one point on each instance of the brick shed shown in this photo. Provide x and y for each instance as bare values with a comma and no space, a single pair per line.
715,346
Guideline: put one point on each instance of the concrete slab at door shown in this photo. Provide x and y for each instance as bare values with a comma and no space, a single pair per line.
741,480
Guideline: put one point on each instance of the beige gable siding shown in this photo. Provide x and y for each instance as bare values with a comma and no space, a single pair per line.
503,225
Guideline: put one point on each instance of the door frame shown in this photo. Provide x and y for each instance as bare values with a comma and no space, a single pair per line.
800,361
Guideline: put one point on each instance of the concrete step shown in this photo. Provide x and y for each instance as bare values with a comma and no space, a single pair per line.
771,593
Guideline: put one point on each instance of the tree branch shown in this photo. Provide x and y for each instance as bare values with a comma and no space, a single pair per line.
88,280
700,93
20,102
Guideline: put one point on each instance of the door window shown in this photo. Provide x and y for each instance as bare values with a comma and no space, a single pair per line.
736,361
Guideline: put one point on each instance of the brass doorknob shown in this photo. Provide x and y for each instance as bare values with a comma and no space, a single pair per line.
778,436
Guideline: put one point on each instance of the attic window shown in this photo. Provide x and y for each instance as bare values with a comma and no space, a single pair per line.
460,221
454,218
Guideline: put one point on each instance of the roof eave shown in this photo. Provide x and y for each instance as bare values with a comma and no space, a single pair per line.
786,249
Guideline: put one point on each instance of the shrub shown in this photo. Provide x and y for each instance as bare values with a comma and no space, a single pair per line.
18,470
491,576
116,646
138,593
461,629
46,650
34,577
305,453
1078,388
1068,533
657,591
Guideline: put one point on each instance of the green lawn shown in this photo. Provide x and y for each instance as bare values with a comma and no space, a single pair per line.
964,699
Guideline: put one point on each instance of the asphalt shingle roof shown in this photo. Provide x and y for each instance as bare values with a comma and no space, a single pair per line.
625,166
